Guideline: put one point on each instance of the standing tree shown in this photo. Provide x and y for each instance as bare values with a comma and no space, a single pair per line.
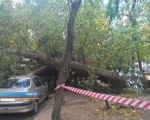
73,9
133,10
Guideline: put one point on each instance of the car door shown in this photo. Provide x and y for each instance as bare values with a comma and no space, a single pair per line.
38,88
44,88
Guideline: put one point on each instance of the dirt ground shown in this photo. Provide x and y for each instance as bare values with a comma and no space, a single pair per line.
80,107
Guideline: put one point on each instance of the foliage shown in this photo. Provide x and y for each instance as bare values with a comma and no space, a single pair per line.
41,27
90,21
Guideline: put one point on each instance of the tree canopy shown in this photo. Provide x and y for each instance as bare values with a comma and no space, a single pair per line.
104,33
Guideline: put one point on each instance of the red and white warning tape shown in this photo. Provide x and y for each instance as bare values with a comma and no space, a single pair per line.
58,86
115,99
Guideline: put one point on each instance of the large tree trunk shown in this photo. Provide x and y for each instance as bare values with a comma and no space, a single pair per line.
78,68
66,61
39,70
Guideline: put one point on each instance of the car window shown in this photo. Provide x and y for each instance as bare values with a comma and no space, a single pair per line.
41,81
16,83
37,82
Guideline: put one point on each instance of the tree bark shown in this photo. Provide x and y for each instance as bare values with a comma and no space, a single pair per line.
39,70
66,61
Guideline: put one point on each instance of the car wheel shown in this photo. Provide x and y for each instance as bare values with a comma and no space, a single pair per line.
35,109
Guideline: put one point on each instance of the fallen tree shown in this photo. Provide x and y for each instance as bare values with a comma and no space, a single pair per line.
78,68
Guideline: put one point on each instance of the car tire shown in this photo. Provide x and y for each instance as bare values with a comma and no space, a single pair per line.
35,109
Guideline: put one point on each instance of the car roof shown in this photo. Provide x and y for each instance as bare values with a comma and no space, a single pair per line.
23,77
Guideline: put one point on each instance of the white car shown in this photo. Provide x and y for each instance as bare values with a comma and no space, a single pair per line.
23,83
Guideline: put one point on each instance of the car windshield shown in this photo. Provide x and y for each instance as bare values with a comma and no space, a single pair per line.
16,83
